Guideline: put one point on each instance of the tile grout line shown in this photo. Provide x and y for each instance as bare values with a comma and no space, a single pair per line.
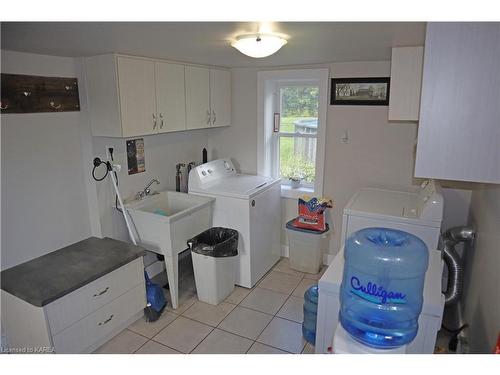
273,316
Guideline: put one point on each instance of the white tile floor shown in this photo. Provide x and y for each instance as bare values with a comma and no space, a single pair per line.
263,320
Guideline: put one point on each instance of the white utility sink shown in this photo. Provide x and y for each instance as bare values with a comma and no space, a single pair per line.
164,222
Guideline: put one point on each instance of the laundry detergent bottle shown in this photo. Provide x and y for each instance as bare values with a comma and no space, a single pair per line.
382,286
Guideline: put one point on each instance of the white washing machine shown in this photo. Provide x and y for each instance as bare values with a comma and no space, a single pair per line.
251,204
419,213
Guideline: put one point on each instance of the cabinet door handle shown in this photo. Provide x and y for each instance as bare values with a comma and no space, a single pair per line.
209,117
107,320
154,121
161,121
215,118
101,293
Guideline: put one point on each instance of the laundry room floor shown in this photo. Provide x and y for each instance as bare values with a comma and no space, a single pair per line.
263,320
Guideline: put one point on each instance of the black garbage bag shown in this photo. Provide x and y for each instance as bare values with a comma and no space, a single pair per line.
215,242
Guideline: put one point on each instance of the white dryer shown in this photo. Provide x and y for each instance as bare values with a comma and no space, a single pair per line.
251,204
419,213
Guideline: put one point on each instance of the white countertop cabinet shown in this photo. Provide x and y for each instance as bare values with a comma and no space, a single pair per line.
81,321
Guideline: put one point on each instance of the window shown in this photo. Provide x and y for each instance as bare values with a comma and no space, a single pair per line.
296,140
295,151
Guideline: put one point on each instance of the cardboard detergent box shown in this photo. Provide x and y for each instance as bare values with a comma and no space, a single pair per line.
312,213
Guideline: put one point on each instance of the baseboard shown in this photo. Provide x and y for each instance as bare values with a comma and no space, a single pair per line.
155,268
327,258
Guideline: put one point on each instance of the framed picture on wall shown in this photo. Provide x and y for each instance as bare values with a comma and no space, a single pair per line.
360,91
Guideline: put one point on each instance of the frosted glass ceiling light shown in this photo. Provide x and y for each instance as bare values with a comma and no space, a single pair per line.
258,45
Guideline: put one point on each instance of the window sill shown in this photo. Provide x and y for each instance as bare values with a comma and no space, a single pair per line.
294,193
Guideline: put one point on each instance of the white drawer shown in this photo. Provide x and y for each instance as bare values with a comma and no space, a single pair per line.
93,328
87,299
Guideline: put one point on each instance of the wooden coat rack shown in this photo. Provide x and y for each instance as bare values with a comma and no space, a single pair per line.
32,94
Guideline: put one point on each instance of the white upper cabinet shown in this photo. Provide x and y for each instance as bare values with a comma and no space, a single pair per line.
459,130
198,113
406,83
170,97
208,97
132,96
136,80
220,97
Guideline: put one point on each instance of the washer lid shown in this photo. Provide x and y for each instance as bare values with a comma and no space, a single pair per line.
237,186
392,205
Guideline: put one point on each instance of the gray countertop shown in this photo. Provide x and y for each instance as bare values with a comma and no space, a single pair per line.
51,276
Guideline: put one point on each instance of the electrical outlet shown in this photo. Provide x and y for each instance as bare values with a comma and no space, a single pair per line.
344,138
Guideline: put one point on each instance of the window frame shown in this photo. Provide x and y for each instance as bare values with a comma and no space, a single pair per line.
268,84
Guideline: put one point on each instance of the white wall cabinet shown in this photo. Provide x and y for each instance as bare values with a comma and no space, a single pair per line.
132,96
208,97
406,83
136,80
220,97
170,97
459,130
198,113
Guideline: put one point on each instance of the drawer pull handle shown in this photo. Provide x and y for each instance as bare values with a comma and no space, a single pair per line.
101,293
107,320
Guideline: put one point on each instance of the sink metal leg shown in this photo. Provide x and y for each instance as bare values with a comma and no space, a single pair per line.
172,266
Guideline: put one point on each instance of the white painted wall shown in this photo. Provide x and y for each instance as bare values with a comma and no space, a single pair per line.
162,153
44,196
482,297
379,152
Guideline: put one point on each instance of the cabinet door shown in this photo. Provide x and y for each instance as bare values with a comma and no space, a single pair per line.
220,97
406,82
136,80
459,132
170,97
197,97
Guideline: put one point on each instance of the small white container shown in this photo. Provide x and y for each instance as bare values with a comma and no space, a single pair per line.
214,277
306,248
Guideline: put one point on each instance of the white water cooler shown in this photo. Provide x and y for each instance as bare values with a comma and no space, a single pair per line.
419,213
343,343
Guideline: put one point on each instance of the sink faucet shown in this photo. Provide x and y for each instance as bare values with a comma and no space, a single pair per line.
147,191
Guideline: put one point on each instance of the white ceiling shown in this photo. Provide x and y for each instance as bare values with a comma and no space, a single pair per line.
209,42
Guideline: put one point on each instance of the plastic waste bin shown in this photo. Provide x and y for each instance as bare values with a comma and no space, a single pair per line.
306,248
215,255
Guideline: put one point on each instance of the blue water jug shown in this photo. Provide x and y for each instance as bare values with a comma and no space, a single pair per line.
382,286
310,314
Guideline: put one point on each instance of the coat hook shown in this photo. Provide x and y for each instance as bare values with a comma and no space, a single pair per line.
3,106
27,93
54,106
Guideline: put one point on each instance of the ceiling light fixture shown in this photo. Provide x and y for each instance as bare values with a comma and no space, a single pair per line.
259,45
